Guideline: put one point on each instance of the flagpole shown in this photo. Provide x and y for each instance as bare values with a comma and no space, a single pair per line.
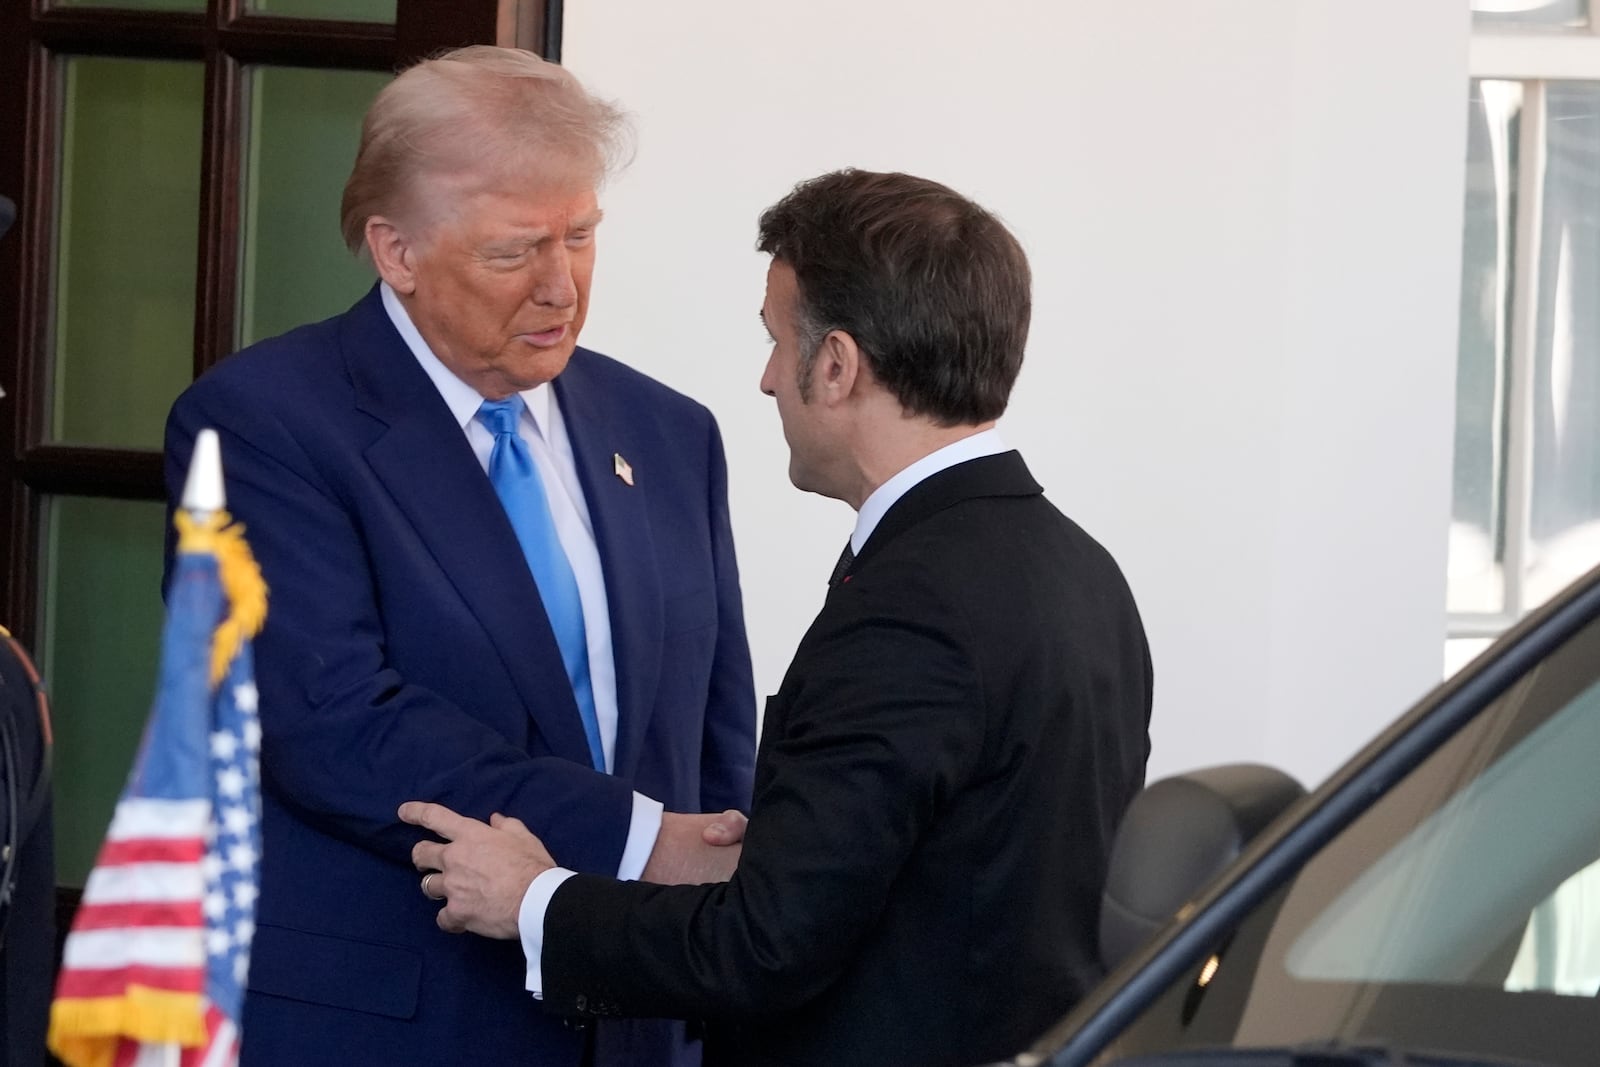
203,491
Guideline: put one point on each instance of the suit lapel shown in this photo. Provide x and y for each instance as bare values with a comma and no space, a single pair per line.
423,460
599,433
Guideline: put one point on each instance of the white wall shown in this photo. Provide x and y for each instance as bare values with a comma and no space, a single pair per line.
1243,217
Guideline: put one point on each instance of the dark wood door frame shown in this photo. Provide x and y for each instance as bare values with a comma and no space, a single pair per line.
226,37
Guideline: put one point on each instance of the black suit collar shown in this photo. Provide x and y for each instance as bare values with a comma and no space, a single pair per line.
1004,474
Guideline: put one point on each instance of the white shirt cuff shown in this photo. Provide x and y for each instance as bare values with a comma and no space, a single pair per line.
530,924
642,834
643,829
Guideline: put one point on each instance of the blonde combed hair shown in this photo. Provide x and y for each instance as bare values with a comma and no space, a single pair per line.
480,110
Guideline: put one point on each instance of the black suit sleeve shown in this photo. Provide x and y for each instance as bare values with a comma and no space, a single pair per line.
879,723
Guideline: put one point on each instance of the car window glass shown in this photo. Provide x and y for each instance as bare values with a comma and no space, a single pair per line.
1459,913
1442,902
1560,949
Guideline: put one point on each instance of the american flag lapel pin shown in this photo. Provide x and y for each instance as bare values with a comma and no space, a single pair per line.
622,468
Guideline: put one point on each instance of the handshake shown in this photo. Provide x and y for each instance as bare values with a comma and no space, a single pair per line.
483,870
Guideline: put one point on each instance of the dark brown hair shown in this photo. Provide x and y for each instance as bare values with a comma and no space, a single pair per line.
934,289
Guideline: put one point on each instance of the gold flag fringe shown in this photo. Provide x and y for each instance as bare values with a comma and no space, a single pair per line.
85,1033
240,574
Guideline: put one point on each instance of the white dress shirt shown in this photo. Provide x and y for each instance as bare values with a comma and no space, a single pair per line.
536,901
545,433
875,507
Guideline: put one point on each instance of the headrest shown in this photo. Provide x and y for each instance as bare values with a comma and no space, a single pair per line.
1177,835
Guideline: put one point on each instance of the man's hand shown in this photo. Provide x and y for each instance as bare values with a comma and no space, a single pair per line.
696,848
483,871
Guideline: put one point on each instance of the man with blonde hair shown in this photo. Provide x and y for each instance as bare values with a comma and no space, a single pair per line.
501,573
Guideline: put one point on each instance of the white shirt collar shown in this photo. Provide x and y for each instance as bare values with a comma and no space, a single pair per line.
984,443
462,398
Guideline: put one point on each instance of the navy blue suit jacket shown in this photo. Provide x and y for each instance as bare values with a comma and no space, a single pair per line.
406,656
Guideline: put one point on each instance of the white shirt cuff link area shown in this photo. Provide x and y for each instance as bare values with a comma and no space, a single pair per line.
530,923
643,830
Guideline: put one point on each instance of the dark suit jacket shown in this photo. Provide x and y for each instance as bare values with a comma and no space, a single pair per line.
938,782
406,656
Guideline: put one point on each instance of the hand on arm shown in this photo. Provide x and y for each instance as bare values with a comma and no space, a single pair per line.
696,848
484,870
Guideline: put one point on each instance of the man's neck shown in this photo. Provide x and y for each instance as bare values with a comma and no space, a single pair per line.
890,449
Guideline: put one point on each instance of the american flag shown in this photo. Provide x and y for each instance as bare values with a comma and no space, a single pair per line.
153,971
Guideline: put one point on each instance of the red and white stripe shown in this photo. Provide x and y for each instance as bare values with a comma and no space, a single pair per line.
141,918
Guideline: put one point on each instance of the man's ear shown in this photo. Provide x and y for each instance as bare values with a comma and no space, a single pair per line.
839,370
393,253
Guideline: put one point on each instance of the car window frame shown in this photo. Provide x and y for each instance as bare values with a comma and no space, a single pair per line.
1280,851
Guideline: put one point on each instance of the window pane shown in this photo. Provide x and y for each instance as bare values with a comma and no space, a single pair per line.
304,128
1533,12
1477,517
136,5
126,243
1565,517
353,10
102,623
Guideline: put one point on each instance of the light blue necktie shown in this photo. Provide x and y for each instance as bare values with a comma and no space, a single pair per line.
516,481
